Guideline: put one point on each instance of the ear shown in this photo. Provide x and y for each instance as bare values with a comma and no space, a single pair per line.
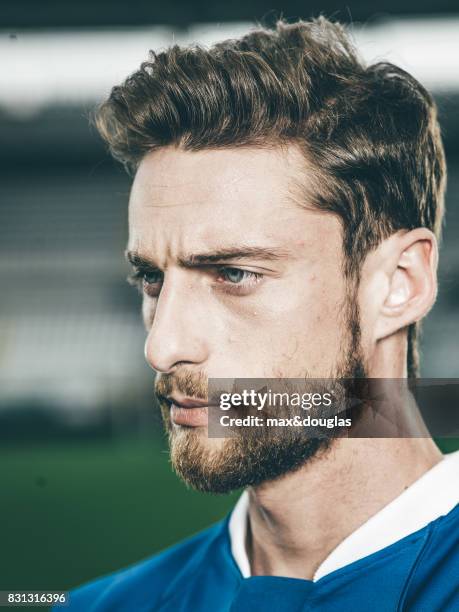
411,289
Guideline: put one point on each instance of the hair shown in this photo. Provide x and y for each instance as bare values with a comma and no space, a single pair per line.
370,133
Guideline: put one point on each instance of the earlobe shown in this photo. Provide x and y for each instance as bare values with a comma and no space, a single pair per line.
412,286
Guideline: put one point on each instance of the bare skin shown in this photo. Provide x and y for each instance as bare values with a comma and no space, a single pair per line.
297,521
202,322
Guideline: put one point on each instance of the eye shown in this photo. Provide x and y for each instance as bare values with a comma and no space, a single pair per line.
238,281
147,281
152,281
234,275
152,278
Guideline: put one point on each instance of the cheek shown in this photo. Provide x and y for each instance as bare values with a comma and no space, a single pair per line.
310,337
295,327
307,303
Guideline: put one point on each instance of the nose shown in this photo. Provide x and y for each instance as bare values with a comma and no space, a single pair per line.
178,329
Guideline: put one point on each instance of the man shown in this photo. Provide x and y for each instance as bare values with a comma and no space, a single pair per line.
283,224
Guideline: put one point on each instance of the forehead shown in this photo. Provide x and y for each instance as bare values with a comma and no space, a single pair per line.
196,198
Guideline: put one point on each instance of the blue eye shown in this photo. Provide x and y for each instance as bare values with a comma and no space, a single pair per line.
146,281
238,282
151,278
235,275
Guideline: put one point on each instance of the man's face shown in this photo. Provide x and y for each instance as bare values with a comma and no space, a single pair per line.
239,281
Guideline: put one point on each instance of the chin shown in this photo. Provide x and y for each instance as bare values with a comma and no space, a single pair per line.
224,465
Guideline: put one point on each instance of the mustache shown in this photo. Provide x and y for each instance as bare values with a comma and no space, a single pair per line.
193,385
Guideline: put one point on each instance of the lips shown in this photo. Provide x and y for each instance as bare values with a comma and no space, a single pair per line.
186,402
188,412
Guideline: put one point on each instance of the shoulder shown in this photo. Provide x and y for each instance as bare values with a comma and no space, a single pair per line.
149,580
435,579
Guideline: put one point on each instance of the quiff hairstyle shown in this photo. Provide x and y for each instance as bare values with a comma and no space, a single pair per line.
370,133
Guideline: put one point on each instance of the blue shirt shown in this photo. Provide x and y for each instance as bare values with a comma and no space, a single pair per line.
419,573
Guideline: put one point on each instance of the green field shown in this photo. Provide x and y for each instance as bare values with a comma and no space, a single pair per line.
71,513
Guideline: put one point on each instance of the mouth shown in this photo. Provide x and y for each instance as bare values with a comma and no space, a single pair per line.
188,412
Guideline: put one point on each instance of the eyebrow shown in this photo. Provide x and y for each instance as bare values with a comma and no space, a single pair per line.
225,254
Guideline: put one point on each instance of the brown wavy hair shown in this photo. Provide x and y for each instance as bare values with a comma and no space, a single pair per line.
370,133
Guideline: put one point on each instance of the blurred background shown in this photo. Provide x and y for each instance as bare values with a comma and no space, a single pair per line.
85,482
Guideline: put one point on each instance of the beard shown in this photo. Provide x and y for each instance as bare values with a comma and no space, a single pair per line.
255,455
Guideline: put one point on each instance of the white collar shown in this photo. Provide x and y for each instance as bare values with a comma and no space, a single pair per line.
433,495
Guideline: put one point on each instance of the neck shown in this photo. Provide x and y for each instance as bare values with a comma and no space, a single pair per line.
296,521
